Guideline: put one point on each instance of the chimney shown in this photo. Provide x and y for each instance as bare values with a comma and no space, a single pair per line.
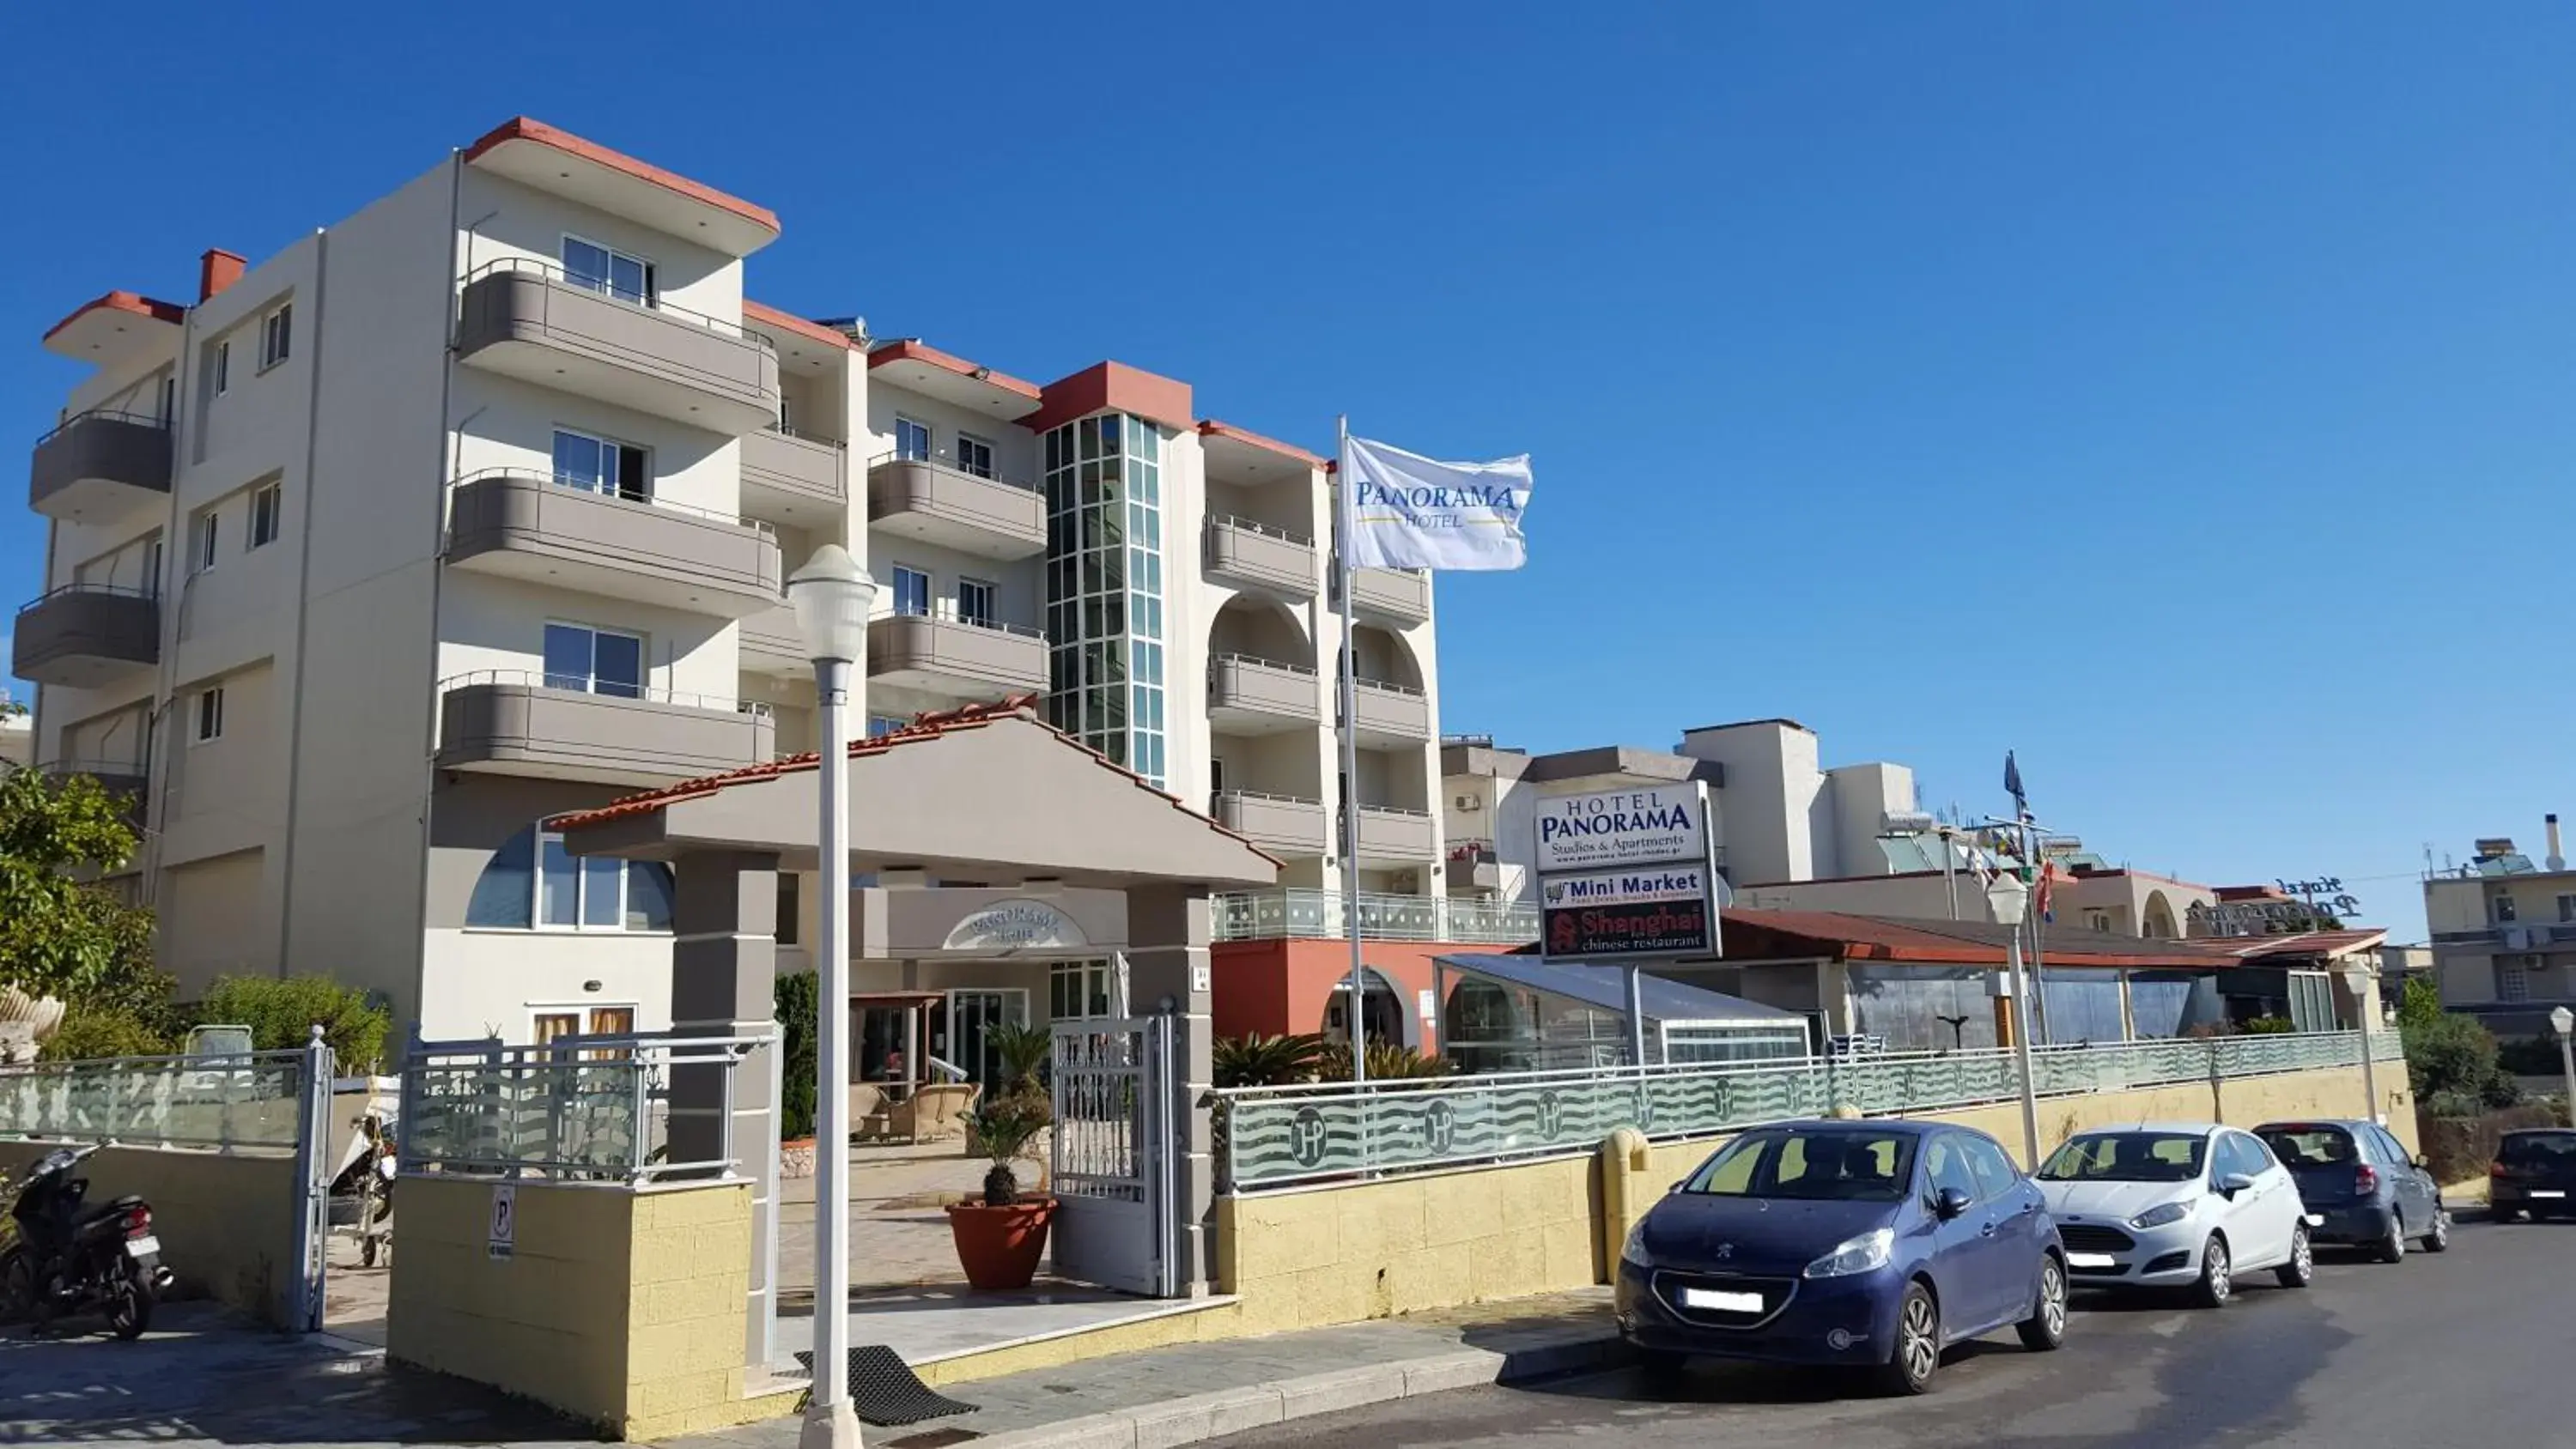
216,270
2557,858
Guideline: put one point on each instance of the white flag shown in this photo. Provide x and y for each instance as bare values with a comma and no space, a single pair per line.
1404,511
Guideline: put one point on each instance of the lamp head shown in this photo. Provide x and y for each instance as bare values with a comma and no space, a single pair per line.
831,594
2009,897
2564,1020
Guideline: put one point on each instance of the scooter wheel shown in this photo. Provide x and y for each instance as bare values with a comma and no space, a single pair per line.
17,1286
129,1302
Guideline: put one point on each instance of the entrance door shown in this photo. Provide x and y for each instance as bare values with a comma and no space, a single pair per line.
971,1013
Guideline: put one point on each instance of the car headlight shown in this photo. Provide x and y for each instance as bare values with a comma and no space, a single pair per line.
2161,1215
1634,1250
1872,1249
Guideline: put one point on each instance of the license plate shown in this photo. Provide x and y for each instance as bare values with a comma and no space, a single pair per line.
1719,1302
142,1247
2091,1260
2546,1192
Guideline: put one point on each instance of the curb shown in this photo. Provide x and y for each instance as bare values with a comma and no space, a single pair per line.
1231,1411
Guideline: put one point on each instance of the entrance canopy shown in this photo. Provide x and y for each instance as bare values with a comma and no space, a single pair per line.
987,795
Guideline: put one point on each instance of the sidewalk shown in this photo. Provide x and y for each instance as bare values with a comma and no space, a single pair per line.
1193,1392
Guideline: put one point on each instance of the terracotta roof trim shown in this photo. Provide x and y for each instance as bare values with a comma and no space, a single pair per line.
761,315
528,128
135,303
913,349
1211,428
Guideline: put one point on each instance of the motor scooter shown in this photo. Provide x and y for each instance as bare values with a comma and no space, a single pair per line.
69,1257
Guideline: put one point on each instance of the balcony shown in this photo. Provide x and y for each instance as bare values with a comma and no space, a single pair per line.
771,645
521,317
523,525
1248,696
1389,716
1474,865
791,479
1399,598
956,657
1281,824
97,466
1393,836
510,722
86,636
1257,556
938,502
129,780
1300,912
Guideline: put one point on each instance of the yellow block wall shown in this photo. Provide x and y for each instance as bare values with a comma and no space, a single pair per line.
624,1309
1305,1259
226,1224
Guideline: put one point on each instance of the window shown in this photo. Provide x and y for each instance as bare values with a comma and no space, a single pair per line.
975,456
2510,982
790,917
595,661
1995,1173
2097,920
1077,990
169,403
554,1024
265,505
2504,908
276,336
602,465
885,724
596,268
975,602
210,714
533,882
911,592
1945,1161
1829,1164
223,367
2567,908
201,541
911,440
786,415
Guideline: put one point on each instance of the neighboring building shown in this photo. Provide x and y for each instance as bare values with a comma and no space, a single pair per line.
474,508
2504,934
17,735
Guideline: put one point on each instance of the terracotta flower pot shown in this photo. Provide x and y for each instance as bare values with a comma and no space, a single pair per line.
999,1247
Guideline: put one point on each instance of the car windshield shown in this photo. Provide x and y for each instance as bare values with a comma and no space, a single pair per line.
2305,1146
2127,1157
1818,1164
2539,1149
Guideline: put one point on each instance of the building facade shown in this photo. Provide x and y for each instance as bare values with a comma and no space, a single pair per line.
2503,930
473,508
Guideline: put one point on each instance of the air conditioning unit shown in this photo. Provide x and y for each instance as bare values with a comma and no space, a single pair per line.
1469,804
2517,938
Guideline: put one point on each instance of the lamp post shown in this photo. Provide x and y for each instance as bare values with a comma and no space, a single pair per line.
2357,974
831,594
2010,900
2565,1022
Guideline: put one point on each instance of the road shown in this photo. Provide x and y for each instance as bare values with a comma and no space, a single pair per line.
2470,1347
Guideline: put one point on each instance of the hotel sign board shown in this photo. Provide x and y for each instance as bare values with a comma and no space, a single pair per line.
1626,873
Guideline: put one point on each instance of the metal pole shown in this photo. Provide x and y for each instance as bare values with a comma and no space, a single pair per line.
2021,1054
829,1421
1636,1015
1345,525
1950,871
2369,1069
2567,1064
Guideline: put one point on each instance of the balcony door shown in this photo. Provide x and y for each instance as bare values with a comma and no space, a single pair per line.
594,661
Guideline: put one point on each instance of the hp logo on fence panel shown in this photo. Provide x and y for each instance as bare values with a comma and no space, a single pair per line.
1551,1116
1306,1137
1440,1127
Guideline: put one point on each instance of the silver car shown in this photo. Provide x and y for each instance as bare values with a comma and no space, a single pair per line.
2175,1205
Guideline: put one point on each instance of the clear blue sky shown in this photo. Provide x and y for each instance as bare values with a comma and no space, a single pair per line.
2180,394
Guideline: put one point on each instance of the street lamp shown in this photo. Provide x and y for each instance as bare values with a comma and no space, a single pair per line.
831,594
2356,974
2010,900
2564,1022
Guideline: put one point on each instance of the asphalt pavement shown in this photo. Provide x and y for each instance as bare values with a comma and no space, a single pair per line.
2473,1346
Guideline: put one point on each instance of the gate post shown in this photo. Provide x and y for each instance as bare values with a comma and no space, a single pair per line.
313,1170
1167,931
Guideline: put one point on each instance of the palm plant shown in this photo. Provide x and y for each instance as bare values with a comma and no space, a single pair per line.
1001,1130
1266,1061
1023,1050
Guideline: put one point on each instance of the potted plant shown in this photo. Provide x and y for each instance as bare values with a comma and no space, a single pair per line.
1000,1239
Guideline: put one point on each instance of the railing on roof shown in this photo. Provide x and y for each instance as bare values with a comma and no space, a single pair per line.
1299,911
1283,1136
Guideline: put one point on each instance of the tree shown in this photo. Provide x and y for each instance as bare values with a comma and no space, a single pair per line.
59,934
2419,1002
2451,1067
796,998
282,1011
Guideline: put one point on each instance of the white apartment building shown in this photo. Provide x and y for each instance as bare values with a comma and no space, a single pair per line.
474,508
2504,933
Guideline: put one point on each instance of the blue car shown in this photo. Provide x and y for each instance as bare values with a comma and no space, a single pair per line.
1871,1245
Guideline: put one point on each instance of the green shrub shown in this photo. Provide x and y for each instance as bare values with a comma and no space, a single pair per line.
1267,1061
2453,1059
2270,1026
88,1032
2529,1056
2420,1003
281,1012
796,1001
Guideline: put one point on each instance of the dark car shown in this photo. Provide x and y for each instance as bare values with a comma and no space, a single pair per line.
1864,1244
2361,1186
2534,1173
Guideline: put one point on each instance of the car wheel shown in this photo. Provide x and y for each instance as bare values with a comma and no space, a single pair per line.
2391,1247
2301,1270
2439,1240
2045,1329
2217,1281
1917,1355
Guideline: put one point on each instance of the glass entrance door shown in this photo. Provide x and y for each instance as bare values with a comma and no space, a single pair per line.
970,1014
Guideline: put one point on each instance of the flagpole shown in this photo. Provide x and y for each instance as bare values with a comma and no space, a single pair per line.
1345,527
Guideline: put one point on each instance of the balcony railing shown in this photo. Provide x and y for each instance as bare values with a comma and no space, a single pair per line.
1306,913
554,272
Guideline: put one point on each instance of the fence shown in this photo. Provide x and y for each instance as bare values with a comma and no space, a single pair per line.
1279,1136
579,1108
248,1103
1304,912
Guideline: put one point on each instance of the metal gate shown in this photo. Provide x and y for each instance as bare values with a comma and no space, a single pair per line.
1114,1158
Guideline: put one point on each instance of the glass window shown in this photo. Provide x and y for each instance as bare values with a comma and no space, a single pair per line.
2127,1157
2567,908
2303,1145
532,880
602,885
1995,1172
203,530
975,456
504,889
885,724
911,592
911,440
223,367
265,506
558,884
595,661
210,714
2504,908
790,917
276,336
602,465
1945,1162
605,269
975,602
551,1025
1813,1163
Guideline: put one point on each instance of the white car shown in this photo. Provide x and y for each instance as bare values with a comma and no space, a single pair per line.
2175,1205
